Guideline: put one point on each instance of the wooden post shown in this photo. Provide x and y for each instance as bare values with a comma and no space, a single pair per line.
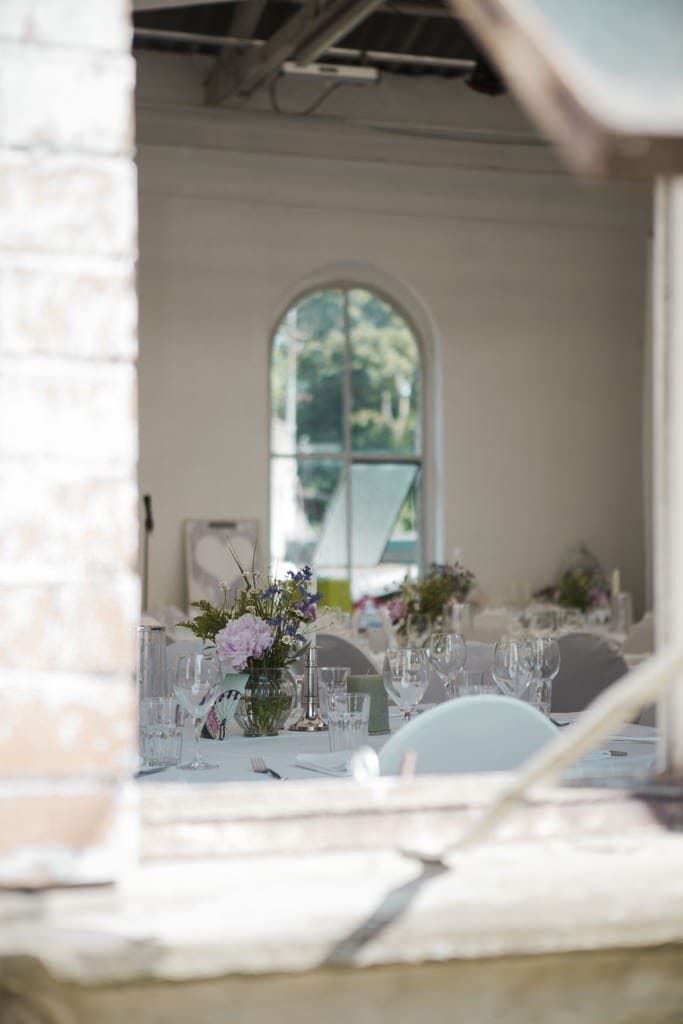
668,451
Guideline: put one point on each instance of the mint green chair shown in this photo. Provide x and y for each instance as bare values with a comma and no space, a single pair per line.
469,734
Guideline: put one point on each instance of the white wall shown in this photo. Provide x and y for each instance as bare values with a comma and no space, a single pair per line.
530,285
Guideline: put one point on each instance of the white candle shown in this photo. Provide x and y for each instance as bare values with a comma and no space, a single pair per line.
616,582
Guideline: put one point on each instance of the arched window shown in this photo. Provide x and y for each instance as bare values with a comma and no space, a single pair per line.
346,439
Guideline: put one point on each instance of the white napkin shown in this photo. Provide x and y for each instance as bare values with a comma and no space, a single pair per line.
336,763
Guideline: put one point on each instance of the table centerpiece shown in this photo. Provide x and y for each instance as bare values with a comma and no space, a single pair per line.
426,605
265,629
582,585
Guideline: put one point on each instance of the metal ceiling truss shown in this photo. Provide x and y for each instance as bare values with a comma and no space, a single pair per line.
417,60
412,9
304,37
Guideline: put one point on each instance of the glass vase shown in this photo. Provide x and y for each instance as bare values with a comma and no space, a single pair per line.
267,702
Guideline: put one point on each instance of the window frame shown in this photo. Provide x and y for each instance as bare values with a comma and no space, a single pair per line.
422,459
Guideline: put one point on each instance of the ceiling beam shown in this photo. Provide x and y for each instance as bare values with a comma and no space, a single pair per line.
412,9
160,5
303,37
246,18
342,52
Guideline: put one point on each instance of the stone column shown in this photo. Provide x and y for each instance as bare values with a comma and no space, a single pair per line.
68,440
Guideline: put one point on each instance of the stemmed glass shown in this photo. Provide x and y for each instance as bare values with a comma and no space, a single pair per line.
406,677
546,667
331,680
513,665
447,653
199,682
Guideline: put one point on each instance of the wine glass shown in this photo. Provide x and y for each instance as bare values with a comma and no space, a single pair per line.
406,677
513,665
199,682
546,667
447,653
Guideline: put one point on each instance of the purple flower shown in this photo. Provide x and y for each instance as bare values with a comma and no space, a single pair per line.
597,597
243,638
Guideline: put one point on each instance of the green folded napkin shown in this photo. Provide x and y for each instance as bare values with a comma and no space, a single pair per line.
378,724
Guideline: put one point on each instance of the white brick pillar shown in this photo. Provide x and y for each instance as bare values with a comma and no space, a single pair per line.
68,439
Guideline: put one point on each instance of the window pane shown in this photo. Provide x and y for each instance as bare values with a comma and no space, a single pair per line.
385,378
385,525
300,494
403,548
382,509
307,376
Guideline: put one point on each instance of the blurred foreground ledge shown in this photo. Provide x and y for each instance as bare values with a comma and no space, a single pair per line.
290,888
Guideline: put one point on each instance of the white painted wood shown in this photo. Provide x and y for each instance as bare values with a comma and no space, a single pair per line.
206,919
668,360
69,595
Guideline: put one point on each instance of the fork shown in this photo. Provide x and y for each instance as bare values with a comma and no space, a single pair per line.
260,766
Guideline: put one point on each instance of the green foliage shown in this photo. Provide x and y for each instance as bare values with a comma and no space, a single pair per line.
209,622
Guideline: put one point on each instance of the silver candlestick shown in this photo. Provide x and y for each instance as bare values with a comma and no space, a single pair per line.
310,720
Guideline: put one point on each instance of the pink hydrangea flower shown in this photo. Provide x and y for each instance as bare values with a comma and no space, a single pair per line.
397,609
243,638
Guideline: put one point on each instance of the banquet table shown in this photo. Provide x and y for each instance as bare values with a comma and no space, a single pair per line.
232,756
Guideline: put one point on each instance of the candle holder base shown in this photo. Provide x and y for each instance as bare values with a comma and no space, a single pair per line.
306,723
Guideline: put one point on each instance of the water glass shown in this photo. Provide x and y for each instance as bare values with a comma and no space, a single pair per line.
152,681
161,735
471,684
331,680
347,722
544,620
622,612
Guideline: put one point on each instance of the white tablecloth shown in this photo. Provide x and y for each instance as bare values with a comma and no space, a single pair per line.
232,755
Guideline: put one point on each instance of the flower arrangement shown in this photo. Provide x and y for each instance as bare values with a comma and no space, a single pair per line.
260,634
583,585
265,627
440,586
585,589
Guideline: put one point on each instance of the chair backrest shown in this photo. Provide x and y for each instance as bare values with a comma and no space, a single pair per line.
335,650
469,734
641,636
588,665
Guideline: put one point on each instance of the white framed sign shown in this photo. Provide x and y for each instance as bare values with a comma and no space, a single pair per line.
209,561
